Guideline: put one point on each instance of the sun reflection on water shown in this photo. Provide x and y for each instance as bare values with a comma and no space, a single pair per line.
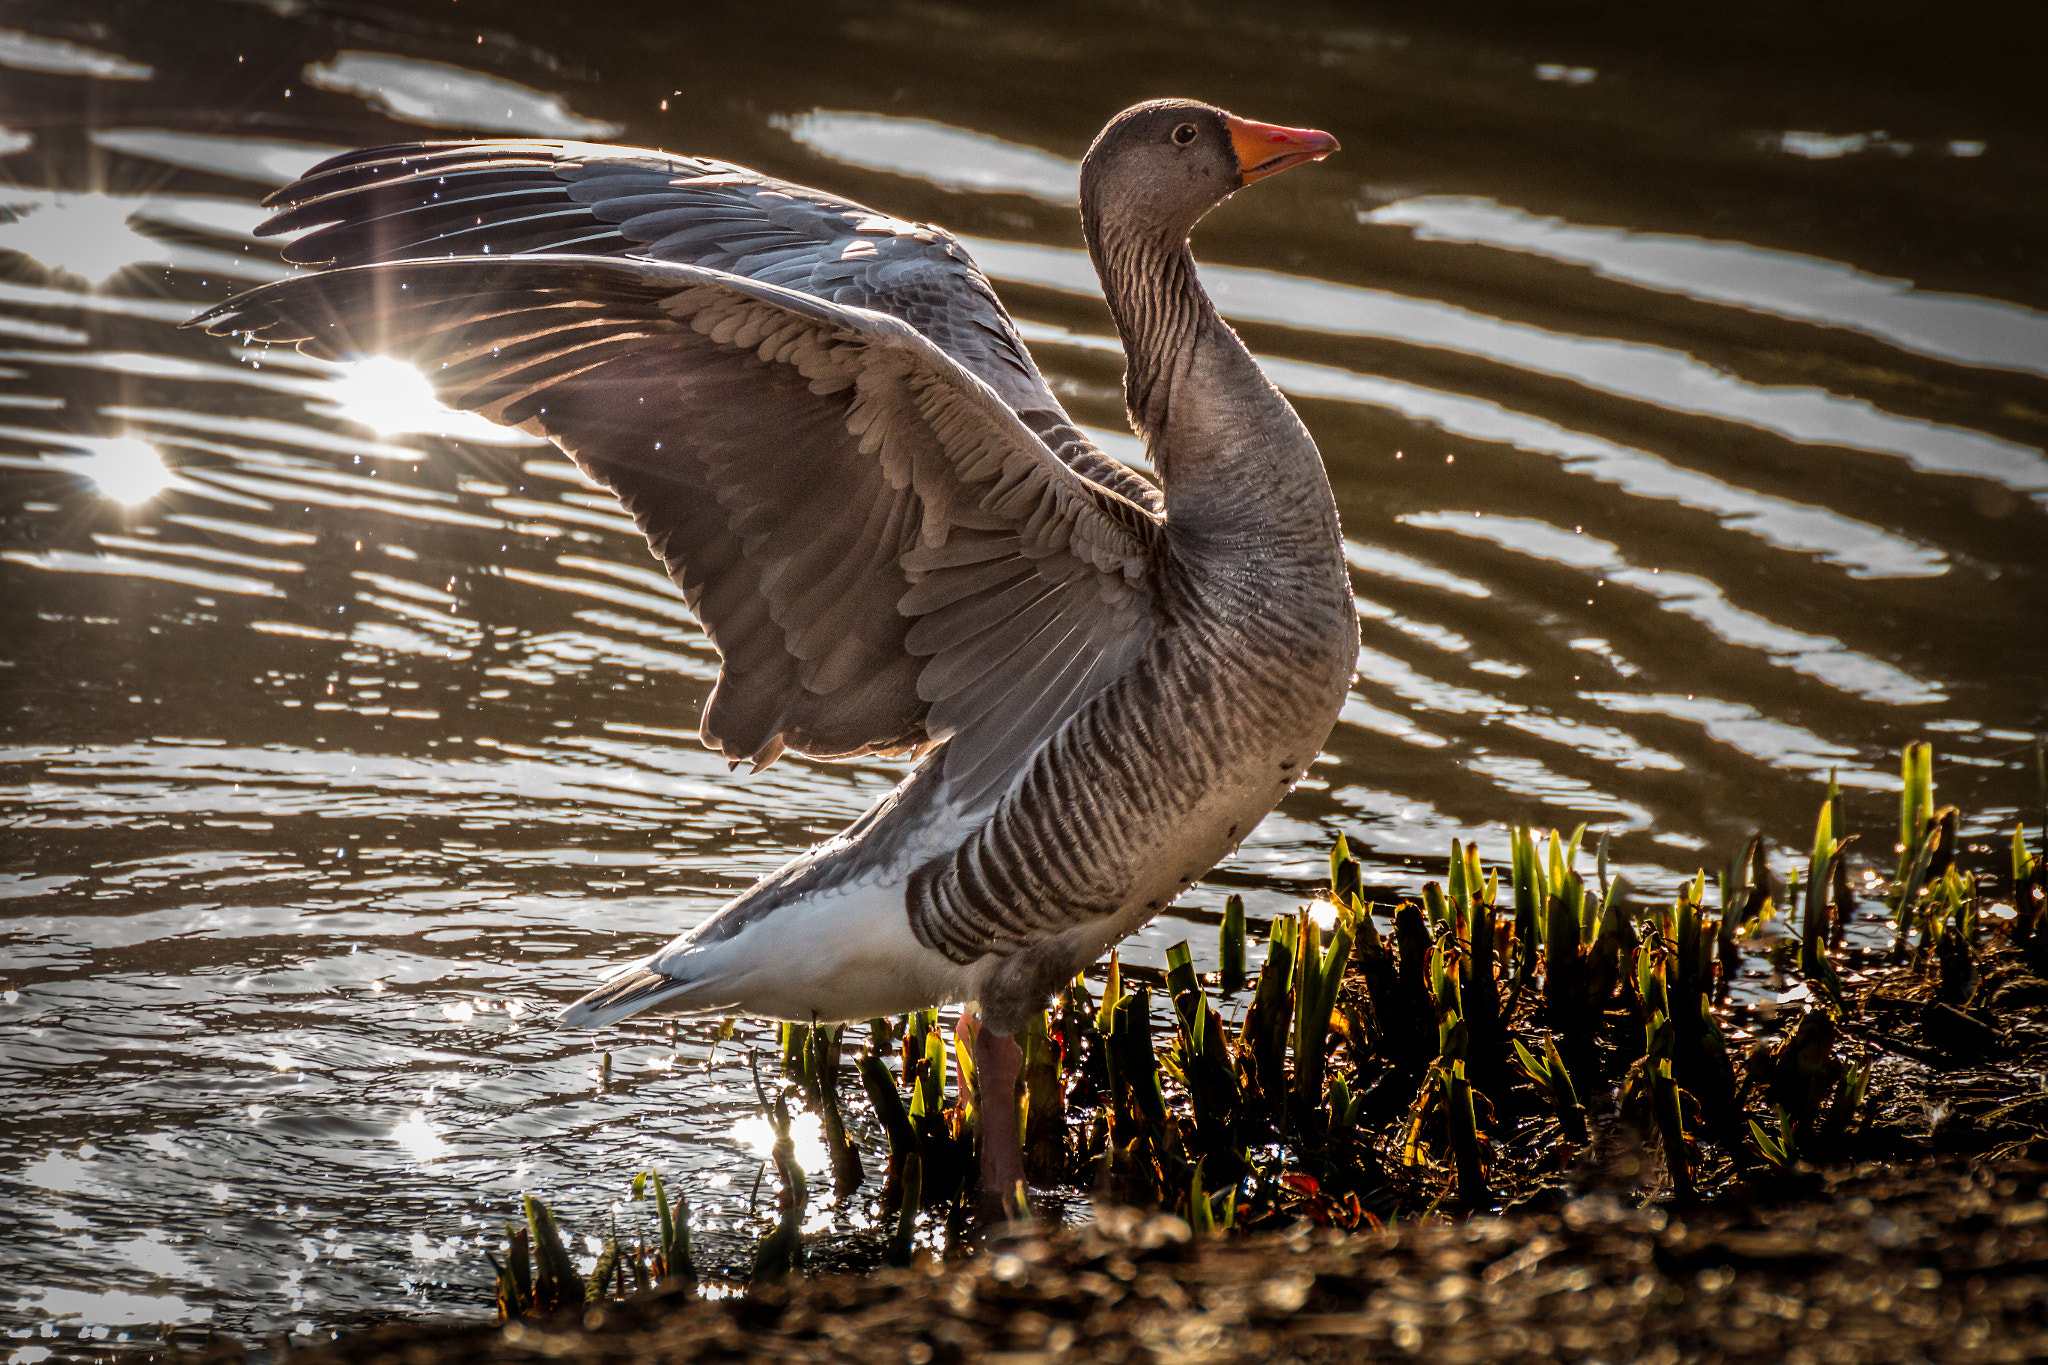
86,235
390,397
128,470
416,1134
806,1131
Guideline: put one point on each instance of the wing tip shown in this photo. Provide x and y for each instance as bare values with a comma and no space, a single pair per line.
217,321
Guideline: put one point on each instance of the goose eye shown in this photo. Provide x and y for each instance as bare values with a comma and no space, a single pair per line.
1184,134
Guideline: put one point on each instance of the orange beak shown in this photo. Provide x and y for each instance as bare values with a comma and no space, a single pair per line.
1265,149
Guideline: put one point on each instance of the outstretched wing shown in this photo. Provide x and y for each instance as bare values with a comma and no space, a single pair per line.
520,196
883,553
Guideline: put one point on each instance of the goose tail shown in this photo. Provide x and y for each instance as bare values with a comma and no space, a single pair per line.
635,990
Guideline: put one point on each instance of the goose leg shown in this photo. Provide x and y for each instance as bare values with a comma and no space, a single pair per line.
997,1063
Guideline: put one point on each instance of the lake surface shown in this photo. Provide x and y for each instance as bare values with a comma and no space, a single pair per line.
1683,380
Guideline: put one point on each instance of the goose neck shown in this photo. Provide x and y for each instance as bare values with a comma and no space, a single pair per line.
1241,474
1160,310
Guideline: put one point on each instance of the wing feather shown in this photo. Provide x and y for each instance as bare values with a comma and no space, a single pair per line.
511,196
969,579
884,553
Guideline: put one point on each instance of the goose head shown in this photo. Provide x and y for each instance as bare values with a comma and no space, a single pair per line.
1151,175
1157,167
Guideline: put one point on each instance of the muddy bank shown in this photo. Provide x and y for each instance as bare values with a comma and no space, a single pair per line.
1941,1260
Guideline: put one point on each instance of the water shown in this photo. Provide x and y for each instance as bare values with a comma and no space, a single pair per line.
1683,390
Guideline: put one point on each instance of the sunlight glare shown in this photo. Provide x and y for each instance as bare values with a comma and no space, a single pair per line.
391,398
86,235
121,467
757,1135
418,1137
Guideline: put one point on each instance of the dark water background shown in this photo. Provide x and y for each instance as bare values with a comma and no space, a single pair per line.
1683,378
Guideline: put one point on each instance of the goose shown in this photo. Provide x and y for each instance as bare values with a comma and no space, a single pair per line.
837,444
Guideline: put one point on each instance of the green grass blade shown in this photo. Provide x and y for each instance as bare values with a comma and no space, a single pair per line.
1186,992
1433,902
555,1281
1230,948
1112,994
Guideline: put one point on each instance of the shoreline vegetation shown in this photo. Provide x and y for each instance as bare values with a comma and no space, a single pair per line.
1520,1075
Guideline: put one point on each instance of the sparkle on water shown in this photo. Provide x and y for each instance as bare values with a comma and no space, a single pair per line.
392,398
417,1135
757,1135
123,468
86,235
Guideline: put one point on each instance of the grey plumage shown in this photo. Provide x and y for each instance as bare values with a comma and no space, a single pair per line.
802,472
837,444
424,200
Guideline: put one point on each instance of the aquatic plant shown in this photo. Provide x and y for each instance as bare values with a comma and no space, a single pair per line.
1389,1055
537,1271
1465,1047
538,1276
671,1258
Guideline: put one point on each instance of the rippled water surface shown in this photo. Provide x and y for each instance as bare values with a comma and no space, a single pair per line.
1684,383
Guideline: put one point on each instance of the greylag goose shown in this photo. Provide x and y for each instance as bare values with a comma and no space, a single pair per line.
838,445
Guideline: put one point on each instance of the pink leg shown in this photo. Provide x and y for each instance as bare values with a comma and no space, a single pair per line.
997,1062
